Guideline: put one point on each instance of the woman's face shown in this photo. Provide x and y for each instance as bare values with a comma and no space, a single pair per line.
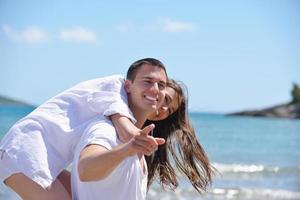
169,106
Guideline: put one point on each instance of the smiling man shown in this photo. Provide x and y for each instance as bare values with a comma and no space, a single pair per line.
106,168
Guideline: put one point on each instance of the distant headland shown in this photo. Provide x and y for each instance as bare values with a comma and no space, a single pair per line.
289,110
5,101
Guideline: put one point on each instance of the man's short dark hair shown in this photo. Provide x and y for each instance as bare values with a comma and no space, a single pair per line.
134,67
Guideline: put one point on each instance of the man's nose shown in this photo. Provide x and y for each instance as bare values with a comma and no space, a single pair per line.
155,87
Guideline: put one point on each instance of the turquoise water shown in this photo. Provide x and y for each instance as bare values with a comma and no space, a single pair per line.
257,158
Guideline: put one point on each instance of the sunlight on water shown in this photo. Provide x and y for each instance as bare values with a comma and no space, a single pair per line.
257,158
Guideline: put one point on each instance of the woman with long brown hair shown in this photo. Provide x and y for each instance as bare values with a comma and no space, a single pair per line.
181,146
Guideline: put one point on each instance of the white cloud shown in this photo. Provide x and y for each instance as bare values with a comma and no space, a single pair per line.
32,34
161,25
7,30
124,27
168,25
77,34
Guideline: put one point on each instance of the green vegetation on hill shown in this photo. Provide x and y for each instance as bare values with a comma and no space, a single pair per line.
295,94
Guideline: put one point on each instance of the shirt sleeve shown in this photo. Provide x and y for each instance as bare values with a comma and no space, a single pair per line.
110,98
100,132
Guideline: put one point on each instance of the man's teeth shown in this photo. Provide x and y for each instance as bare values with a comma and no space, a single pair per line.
151,98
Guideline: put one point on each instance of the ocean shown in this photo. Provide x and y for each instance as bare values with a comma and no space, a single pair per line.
257,158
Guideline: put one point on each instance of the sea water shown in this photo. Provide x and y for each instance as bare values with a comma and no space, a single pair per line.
257,158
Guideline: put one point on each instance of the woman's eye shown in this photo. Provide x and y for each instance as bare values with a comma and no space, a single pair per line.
161,86
168,100
169,111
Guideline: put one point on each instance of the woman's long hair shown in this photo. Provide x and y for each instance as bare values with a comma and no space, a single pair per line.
182,146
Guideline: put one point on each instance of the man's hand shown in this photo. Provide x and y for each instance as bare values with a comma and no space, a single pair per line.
144,143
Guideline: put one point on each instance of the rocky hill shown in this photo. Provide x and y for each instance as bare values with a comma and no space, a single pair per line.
289,110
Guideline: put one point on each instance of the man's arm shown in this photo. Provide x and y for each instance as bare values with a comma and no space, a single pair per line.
96,162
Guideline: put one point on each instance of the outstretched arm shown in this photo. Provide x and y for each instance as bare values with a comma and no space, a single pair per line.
96,162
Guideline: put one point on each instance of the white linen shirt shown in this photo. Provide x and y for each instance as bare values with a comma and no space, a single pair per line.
57,126
66,115
126,181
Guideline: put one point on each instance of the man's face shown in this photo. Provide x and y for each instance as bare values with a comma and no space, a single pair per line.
147,90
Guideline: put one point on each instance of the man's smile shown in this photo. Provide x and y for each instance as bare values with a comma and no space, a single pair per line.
151,99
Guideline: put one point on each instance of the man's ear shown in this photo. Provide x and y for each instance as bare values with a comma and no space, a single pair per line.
127,85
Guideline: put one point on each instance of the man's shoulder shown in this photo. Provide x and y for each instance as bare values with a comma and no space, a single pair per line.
101,129
102,123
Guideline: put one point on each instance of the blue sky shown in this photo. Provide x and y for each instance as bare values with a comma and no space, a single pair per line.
232,55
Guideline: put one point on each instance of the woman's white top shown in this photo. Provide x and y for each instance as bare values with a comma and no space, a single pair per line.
42,144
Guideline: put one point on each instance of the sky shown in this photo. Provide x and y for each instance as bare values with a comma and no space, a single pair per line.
231,55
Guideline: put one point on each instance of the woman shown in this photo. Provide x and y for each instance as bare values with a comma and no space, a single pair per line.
181,145
59,186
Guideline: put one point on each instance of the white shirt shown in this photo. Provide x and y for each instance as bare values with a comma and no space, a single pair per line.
66,116
57,125
126,181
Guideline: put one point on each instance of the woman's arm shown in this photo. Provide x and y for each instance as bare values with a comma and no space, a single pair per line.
110,99
125,128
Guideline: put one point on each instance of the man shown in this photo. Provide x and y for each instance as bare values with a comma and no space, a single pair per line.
105,168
